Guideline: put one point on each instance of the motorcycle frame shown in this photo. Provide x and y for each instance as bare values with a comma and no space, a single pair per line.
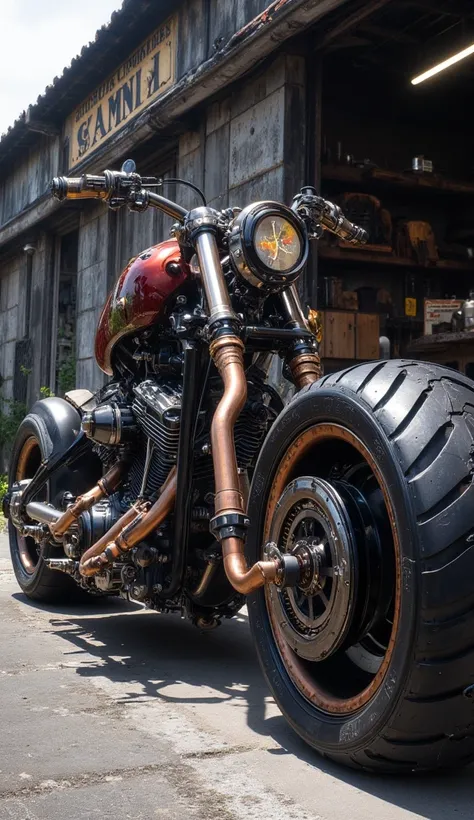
198,232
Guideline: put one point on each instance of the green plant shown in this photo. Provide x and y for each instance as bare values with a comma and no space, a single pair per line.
67,374
46,393
12,413
3,486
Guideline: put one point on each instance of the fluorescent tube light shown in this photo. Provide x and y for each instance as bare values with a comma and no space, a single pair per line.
442,66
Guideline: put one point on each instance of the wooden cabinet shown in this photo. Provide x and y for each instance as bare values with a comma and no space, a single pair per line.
367,336
338,335
348,335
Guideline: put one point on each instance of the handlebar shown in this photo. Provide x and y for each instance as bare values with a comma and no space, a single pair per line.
317,211
119,188
85,187
332,218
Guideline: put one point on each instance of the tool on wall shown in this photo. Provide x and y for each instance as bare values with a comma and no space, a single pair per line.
416,240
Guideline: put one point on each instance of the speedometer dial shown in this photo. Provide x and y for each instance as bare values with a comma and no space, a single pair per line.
268,245
277,243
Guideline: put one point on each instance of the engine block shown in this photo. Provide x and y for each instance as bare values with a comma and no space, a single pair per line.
157,408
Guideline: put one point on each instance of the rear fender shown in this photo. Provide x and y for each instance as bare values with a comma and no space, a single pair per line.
60,423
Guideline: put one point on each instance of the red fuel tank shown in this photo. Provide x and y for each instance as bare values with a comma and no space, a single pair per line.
139,297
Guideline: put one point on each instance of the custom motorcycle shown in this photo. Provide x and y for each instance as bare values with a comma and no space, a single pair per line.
346,517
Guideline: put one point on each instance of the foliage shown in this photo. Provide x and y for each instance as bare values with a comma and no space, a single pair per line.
3,486
67,374
12,414
3,490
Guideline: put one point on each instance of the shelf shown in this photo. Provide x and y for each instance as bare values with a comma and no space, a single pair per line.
386,259
404,179
437,340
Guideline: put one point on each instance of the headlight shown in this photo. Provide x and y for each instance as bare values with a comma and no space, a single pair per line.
268,245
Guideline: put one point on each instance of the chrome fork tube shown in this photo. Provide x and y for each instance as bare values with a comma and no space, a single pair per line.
292,306
213,280
302,357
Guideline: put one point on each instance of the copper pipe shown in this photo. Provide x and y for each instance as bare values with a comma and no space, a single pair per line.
105,486
206,579
115,530
130,529
227,353
244,485
305,369
242,578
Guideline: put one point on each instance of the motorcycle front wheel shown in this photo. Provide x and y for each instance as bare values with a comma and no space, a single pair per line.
368,474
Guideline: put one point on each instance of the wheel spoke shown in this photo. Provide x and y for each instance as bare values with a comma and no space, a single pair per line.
323,598
311,607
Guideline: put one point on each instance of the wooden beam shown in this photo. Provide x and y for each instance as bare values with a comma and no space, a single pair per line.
389,34
351,21
351,41
437,8
40,126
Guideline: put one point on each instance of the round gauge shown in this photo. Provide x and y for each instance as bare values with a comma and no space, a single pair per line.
277,243
268,245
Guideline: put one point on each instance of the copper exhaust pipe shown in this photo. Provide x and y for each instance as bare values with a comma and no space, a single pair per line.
242,578
227,353
133,527
105,486
305,369
100,545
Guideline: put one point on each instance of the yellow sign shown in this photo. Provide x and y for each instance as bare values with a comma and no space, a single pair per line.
410,306
134,85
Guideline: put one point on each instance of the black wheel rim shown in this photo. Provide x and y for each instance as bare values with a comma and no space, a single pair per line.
335,642
29,459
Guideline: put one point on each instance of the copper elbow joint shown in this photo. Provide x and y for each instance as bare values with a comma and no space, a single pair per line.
105,486
243,579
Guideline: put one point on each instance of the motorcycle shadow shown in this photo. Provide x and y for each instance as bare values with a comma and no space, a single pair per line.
163,657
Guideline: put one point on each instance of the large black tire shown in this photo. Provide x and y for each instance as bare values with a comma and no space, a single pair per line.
417,421
37,437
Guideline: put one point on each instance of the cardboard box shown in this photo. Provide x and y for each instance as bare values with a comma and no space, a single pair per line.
438,314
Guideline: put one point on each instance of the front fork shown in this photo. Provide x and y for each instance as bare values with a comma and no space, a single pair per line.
230,521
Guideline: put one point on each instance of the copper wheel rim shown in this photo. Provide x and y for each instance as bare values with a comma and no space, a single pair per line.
300,672
26,466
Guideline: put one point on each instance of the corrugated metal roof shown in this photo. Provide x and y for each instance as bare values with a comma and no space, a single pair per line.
112,44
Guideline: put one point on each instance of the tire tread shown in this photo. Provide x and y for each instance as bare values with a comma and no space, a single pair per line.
438,402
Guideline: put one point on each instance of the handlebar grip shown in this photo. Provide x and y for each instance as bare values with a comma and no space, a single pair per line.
86,187
333,219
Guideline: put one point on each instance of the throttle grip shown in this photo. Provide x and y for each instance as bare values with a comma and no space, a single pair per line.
333,219
317,211
88,186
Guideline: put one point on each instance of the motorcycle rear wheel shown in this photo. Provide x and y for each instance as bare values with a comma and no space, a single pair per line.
36,580
374,465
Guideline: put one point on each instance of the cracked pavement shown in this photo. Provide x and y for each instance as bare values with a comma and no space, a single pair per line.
113,712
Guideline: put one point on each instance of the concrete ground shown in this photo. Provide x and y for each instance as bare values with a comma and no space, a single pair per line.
112,712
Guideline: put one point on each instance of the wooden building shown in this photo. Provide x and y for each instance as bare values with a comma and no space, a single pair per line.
249,99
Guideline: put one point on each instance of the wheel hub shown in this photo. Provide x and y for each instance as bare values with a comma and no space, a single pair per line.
326,526
312,559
